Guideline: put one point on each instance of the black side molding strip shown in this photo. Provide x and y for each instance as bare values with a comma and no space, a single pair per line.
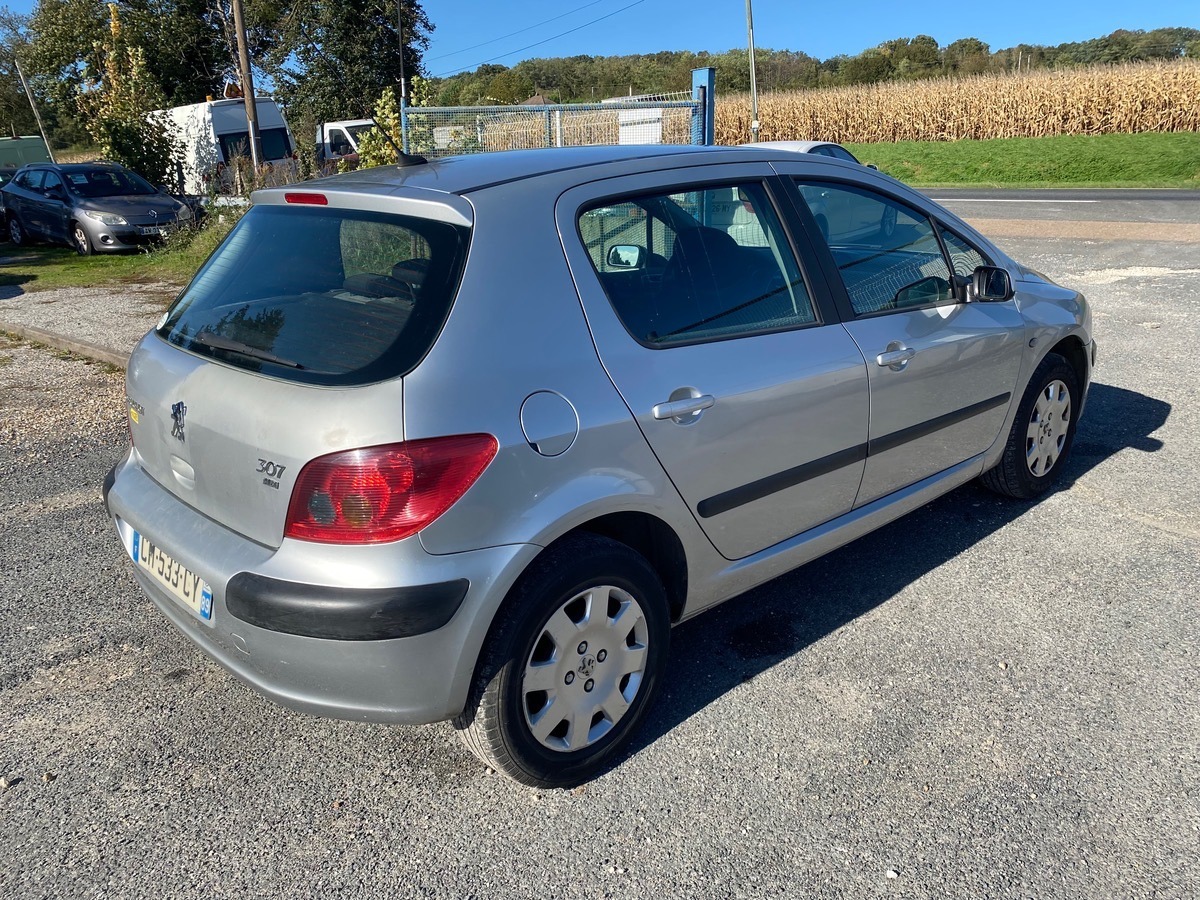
764,487
343,614
922,429
756,490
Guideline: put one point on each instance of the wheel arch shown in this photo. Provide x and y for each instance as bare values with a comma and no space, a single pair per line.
655,540
1071,349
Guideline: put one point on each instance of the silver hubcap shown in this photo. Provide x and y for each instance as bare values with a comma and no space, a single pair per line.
585,669
1048,428
81,238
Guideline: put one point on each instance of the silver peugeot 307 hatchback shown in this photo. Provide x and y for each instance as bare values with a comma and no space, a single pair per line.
463,439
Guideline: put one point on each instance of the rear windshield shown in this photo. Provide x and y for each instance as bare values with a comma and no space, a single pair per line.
320,295
275,144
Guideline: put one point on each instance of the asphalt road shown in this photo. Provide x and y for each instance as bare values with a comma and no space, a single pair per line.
984,699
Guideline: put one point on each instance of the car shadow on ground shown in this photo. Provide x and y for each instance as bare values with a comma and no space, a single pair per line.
18,265
732,644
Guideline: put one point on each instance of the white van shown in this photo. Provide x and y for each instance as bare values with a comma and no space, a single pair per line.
336,140
215,133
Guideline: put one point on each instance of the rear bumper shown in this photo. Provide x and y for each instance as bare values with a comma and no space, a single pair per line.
330,640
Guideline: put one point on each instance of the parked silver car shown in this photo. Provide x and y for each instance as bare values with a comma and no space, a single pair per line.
98,207
463,439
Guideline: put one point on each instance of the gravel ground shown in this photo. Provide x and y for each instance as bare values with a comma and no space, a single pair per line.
983,699
102,316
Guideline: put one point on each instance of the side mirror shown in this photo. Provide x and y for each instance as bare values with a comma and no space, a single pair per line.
626,256
991,283
55,193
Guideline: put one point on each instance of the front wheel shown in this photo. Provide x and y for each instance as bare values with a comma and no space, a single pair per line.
1042,432
81,241
571,664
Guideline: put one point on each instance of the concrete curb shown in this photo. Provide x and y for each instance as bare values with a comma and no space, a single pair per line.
71,345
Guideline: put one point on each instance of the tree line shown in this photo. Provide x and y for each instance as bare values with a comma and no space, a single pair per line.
333,59
323,60
585,78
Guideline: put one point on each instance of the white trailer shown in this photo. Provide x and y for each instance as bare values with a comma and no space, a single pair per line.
215,133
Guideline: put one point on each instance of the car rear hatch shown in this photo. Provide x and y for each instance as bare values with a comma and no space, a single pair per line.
290,344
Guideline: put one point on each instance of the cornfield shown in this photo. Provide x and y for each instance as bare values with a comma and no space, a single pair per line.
1136,97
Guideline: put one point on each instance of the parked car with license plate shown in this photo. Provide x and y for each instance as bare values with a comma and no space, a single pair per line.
464,439
97,207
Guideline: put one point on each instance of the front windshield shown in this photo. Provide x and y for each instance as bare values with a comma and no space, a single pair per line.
107,183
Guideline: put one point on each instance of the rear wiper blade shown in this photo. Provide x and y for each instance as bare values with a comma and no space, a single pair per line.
219,342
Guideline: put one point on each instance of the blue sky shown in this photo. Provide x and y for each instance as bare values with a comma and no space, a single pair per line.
822,29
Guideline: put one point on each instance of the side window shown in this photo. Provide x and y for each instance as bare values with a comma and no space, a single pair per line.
696,265
888,254
33,180
339,141
52,181
963,257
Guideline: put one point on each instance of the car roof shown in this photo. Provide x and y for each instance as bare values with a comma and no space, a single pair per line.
75,167
794,146
468,174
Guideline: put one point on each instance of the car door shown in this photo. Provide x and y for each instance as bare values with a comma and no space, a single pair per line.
721,345
55,211
942,370
27,205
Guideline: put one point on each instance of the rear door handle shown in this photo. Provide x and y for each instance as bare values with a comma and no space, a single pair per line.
679,409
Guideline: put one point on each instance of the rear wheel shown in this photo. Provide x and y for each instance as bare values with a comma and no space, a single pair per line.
1042,432
81,241
16,232
571,665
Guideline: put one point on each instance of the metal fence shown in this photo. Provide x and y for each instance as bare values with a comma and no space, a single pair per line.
675,118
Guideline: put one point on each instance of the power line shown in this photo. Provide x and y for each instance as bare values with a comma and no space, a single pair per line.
539,43
515,33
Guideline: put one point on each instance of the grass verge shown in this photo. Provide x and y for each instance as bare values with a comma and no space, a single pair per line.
41,267
1110,160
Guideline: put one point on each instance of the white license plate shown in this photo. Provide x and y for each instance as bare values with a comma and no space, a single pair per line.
150,230
181,584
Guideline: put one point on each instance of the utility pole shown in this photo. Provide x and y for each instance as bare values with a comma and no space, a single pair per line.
239,25
400,38
37,115
403,80
753,79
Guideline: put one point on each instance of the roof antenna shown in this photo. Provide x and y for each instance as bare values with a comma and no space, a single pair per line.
402,158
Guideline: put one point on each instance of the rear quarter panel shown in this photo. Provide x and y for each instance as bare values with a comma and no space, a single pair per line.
516,328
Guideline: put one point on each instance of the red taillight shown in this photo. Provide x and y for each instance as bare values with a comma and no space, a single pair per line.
309,199
384,493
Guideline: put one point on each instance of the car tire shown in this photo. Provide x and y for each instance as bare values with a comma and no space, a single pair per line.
81,241
1042,432
17,233
555,664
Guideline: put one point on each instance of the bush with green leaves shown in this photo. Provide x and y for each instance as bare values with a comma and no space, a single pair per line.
117,109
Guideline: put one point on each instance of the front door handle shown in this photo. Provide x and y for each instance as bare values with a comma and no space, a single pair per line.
896,356
683,409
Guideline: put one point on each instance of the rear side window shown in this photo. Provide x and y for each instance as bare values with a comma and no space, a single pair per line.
320,295
696,265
